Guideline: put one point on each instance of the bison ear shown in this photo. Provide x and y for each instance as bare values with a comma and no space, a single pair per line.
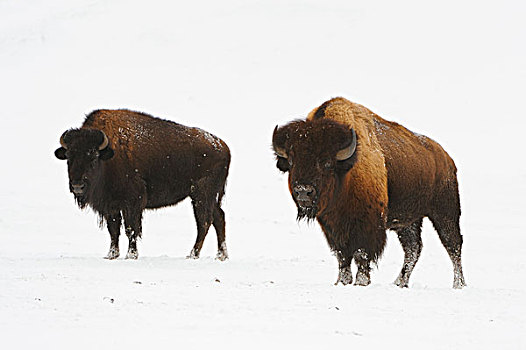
283,164
60,153
106,153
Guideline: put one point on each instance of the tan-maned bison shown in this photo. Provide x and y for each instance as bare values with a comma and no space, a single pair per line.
359,175
122,162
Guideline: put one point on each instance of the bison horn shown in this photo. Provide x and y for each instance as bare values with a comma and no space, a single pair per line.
104,143
280,151
347,152
62,142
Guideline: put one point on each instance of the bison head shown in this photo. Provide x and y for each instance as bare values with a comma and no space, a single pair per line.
317,154
84,149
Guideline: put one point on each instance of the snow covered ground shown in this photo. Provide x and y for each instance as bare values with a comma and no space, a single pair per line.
454,71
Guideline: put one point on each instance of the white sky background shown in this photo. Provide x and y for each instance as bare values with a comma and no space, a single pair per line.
454,71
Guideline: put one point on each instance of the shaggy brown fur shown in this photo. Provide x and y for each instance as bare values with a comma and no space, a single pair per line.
149,163
393,180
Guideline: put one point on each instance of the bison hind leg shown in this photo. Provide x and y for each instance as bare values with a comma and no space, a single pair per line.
219,226
449,232
206,200
203,218
411,241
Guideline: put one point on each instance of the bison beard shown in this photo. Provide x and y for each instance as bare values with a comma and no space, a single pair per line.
371,175
80,200
307,213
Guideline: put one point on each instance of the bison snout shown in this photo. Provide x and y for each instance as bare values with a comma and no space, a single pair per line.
78,188
305,195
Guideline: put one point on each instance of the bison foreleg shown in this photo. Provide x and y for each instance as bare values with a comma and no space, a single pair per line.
344,276
344,272
132,244
113,253
133,223
363,276
113,222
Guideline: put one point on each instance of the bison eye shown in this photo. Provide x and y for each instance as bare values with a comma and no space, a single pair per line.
327,165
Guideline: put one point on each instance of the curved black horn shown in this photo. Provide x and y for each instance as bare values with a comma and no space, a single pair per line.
279,150
104,143
347,152
62,142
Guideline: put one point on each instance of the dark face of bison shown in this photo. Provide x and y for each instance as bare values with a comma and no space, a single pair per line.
317,155
84,149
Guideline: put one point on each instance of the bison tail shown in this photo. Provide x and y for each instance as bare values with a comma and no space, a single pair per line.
222,176
221,192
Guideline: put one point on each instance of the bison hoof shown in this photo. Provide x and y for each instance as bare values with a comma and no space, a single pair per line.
344,276
132,254
459,284
222,255
112,254
362,279
401,282
193,255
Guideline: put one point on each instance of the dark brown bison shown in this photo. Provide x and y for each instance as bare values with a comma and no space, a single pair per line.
122,162
360,175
